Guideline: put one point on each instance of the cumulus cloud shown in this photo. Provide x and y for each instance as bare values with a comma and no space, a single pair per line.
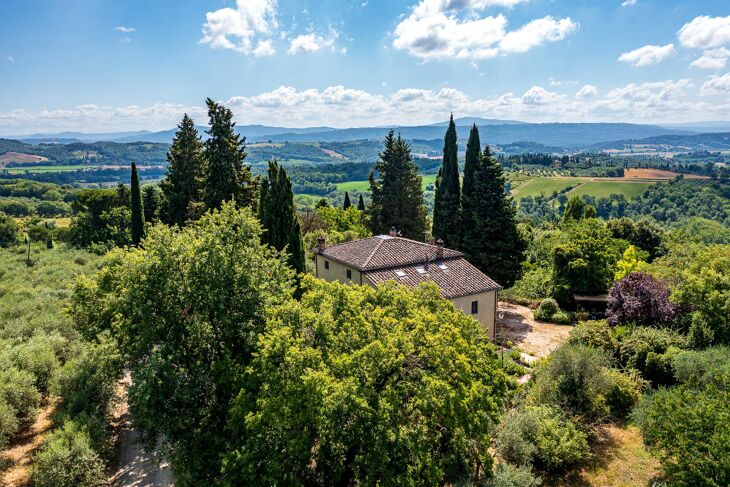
587,91
313,42
717,85
712,59
454,28
239,28
705,32
125,29
340,106
647,55
628,3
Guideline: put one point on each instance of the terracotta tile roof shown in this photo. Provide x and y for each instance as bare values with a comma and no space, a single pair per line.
386,258
455,277
383,252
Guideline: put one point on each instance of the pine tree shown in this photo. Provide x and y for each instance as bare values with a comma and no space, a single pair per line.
181,187
448,196
226,177
278,216
493,244
361,204
396,193
469,199
347,203
137,224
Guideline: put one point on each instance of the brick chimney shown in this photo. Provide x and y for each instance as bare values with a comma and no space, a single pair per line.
393,232
439,249
320,244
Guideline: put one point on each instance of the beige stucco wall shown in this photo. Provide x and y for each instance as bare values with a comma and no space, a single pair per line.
336,272
486,306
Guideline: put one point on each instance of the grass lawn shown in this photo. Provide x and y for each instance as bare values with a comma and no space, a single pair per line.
602,189
364,186
544,186
23,170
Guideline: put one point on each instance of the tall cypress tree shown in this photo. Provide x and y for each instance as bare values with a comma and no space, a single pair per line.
347,202
151,203
278,216
469,199
361,203
493,244
448,196
181,187
226,177
137,224
396,193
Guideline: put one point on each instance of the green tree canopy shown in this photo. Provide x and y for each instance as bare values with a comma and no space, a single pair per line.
396,193
226,176
278,216
448,195
363,386
137,218
182,185
186,311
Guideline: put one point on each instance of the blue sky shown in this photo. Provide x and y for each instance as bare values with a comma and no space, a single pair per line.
100,65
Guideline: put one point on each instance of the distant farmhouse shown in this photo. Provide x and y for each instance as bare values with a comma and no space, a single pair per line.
408,262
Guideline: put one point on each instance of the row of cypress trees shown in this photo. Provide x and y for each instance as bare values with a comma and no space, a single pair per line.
203,175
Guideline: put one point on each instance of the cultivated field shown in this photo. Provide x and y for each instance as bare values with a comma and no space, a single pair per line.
649,173
364,186
19,158
602,189
545,186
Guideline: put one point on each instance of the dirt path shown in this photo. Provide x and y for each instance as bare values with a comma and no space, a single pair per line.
18,456
135,467
535,338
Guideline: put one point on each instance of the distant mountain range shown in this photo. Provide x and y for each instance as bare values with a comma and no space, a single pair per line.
570,136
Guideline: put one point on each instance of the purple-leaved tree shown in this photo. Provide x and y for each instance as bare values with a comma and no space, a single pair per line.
640,298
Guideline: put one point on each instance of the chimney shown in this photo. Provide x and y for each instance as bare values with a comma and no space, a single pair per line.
393,232
439,249
320,244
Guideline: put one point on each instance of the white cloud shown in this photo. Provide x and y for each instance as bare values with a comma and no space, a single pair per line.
238,28
705,32
125,29
587,91
717,85
628,3
712,59
264,48
339,106
11,59
647,55
453,28
313,42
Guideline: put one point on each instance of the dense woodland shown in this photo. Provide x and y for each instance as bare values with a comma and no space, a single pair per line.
253,371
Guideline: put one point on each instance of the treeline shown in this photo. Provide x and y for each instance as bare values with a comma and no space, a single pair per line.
112,153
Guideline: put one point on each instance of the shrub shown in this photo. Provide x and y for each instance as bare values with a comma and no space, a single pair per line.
541,436
8,231
649,350
67,460
624,391
548,307
562,317
37,357
700,368
596,334
8,423
18,391
535,283
510,476
641,299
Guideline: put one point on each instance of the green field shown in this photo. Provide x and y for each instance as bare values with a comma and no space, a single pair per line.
23,170
602,189
544,186
364,186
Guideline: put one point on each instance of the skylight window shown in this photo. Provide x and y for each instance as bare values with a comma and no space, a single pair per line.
442,266
420,270
400,273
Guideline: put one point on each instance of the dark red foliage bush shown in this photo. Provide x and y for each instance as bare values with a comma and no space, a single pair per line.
640,298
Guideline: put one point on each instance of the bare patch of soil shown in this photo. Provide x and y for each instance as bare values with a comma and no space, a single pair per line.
19,158
516,323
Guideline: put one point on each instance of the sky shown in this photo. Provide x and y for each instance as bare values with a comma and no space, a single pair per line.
110,65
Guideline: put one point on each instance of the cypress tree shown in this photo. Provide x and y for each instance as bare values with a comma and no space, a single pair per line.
226,177
347,202
469,199
278,216
151,203
181,186
137,225
495,245
361,203
448,196
396,193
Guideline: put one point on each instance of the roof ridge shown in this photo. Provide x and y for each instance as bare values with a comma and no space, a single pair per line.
428,245
367,261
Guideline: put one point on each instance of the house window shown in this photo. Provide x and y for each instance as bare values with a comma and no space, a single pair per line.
327,264
474,307
349,274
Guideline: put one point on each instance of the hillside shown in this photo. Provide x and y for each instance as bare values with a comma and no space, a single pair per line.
708,141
